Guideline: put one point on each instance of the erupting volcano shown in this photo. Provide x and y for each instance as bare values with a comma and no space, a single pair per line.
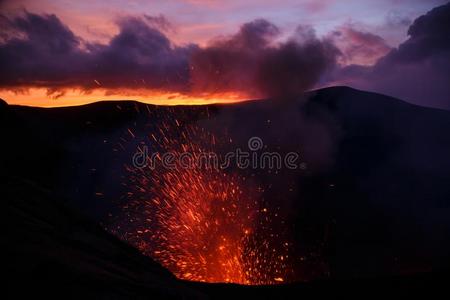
224,149
198,220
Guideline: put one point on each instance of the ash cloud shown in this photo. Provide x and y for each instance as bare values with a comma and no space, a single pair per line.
418,70
41,51
253,62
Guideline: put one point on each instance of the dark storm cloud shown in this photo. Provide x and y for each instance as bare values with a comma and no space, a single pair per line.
418,70
140,56
40,51
37,49
253,62
429,35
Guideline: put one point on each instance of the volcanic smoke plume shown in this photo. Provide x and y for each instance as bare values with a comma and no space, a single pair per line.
252,62
202,223
40,51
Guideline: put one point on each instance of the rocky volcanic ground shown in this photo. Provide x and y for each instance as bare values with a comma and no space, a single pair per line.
375,201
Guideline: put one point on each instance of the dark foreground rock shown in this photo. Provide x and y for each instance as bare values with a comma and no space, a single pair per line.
370,213
50,249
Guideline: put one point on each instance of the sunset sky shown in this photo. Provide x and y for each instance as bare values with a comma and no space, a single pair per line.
187,46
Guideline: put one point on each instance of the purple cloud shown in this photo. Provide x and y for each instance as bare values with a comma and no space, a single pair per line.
41,51
250,61
48,54
359,47
418,70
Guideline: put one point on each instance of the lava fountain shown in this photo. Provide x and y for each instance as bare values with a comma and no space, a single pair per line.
200,221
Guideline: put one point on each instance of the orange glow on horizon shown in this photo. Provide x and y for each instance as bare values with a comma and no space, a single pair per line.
40,97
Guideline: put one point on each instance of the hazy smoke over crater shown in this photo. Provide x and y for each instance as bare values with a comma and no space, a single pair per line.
41,51
251,61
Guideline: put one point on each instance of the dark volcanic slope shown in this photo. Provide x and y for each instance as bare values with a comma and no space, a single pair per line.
372,201
391,173
50,249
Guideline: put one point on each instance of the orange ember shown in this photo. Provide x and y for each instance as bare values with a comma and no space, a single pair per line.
200,222
205,227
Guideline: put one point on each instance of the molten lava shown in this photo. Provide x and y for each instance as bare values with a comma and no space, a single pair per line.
201,222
